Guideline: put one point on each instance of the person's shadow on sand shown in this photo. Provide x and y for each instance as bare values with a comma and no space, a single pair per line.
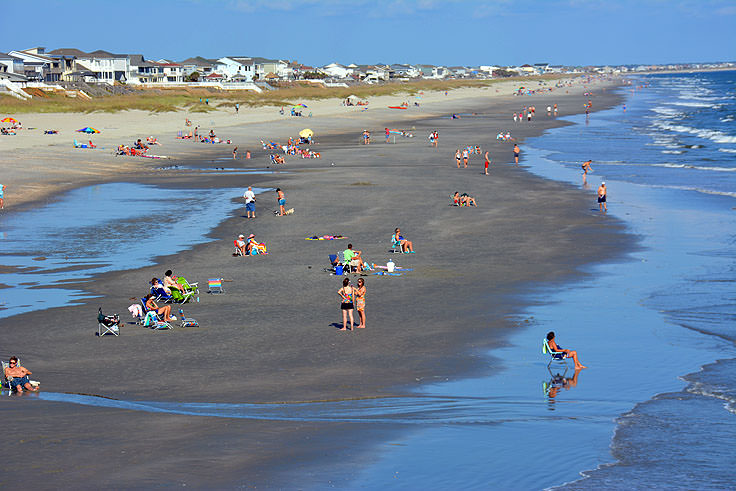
336,325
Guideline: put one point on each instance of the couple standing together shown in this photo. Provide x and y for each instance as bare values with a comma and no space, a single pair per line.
352,298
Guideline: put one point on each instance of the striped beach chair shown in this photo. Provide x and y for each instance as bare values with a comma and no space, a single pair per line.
214,285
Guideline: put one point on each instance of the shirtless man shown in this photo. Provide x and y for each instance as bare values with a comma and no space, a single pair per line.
18,376
517,150
602,197
586,168
487,162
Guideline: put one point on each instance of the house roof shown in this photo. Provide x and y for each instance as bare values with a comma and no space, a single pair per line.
5,56
138,60
198,61
67,52
214,75
104,54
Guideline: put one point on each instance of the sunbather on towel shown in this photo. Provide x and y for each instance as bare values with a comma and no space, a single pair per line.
165,310
18,376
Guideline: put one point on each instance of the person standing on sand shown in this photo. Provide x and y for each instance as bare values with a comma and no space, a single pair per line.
487,162
281,198
2,194
457,157
235,153
388,133
466,157
517,150
346,305
237,107
602,192
250,203
555,108
360,303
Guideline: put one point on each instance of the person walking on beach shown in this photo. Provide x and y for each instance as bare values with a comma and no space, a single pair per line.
250,203
2,194
487,162
360,303
388,134
602,197
237,107
457,157
346,294
517,150
281,198
466,157
568,353
235,153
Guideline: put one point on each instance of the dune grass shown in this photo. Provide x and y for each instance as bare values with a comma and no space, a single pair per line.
187,99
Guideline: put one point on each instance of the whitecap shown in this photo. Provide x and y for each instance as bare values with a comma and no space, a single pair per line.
727,150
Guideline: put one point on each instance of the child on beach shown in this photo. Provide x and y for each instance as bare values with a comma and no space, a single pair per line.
346,294
281,198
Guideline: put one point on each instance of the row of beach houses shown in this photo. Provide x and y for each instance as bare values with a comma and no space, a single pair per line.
73,65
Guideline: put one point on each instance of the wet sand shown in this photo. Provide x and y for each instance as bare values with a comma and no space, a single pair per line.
273,336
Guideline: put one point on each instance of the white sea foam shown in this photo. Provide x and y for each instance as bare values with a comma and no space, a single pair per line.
692,104
674,152
727,150
666,111
714,392
713,135
697,190
727,119
696,167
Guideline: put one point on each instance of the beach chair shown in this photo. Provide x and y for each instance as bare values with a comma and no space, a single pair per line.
188,287
160,294
153,321
238,252
346,267
5,382
214,285
554,356
187,321
395,246
178,296
107,324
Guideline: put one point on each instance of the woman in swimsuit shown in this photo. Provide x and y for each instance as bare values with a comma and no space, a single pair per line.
406,245
457,158
360,302
165,310
568,353
346,305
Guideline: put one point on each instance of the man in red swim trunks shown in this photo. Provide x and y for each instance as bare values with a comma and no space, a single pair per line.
487,162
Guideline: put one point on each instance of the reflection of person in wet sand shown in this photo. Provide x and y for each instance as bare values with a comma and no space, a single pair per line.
568,353
561,382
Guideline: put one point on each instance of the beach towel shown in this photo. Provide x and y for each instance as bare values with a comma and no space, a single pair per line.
326,237
136,310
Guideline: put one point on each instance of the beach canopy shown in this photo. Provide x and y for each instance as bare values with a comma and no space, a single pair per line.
353,97
8,120
300,105
88,130
306,133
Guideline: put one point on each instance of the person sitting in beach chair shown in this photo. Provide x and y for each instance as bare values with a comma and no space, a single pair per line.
160,291
352,259
17,376
405,245
240,246
164,311
170,281
557,353
107,323
255,248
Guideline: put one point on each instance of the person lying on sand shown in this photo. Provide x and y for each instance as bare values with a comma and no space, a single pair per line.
18,376
568,353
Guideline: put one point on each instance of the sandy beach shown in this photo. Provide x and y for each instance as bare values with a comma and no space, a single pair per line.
273,337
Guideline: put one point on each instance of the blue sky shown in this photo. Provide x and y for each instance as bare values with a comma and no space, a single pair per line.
448,32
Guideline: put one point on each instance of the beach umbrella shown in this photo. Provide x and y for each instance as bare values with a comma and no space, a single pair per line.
88,130
8,120
306,133
300,105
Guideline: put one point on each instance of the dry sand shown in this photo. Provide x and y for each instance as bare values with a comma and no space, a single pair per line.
273,337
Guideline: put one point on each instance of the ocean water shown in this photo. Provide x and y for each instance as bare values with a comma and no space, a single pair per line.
97,229
655,408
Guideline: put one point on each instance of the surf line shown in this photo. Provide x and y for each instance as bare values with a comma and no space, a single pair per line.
411,410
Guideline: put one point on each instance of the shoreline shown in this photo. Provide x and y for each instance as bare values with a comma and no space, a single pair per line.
348,353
